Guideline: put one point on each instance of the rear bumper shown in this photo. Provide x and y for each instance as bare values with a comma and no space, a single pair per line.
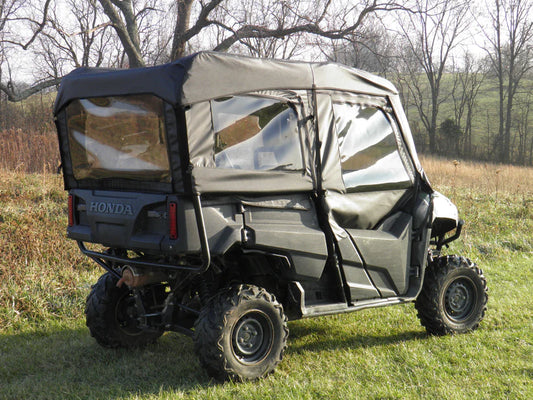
107,261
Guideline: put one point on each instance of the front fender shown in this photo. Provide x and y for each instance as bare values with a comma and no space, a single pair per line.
445,215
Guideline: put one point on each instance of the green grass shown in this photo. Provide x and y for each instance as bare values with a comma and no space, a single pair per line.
46,351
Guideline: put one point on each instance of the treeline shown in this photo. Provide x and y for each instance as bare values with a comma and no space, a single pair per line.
464,69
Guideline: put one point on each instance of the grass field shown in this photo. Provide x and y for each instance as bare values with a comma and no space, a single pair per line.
47,353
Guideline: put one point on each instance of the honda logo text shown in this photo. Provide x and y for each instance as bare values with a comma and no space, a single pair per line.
111,208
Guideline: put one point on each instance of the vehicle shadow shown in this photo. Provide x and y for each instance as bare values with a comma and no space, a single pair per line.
68,363
321,337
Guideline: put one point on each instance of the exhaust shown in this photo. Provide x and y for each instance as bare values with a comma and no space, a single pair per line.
136,278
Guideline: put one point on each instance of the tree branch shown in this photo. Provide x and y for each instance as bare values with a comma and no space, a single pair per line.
126,33
40,26
182,32
19,96
312,27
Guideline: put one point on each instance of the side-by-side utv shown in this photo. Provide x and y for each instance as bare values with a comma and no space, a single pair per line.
226,195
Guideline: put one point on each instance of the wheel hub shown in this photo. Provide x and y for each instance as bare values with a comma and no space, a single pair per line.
249,334
252,337
125,315
459,298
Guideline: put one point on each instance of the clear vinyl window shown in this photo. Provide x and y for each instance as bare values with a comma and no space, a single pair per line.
256,133
118,137
368,148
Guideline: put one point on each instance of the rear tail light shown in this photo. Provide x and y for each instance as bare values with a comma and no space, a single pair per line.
173,220
70,210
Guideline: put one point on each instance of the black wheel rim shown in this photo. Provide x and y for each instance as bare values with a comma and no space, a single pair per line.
460,299
252,337
125,315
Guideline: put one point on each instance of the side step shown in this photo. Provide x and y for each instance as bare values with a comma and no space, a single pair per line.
324,309
298,294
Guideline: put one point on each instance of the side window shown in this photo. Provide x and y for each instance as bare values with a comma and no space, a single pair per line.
368,149
256,133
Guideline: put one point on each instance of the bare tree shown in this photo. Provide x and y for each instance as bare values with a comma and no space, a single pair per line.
260,27
430,35
372,48
467,81
8,8
67,34
18,11
15,14
509,49
124,19
266,13
81,40
522,123
240,23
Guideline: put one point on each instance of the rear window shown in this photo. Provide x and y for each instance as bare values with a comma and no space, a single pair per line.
118,137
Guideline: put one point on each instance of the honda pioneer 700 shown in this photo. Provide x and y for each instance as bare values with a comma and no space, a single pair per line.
226,195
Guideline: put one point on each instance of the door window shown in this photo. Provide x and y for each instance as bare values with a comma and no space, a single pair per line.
368,148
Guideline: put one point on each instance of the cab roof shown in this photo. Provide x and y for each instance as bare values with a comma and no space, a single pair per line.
210,75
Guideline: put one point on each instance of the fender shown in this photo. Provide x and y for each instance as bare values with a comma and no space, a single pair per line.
445,216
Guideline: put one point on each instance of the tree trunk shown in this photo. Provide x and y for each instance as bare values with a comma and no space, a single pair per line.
506,151
499,142
468,132
129,33
531,151
182,25
434,114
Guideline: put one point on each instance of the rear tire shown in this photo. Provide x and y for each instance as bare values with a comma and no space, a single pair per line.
454,296
241,334
110,316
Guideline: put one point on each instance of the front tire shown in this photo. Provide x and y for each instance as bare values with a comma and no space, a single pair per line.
110,316
241,334
454,296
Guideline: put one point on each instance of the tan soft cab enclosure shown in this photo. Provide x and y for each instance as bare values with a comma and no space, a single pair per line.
319,94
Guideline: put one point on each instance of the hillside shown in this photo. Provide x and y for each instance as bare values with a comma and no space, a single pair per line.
485,120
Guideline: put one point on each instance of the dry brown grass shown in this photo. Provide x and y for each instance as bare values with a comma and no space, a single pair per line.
482,177
25,151
40,270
